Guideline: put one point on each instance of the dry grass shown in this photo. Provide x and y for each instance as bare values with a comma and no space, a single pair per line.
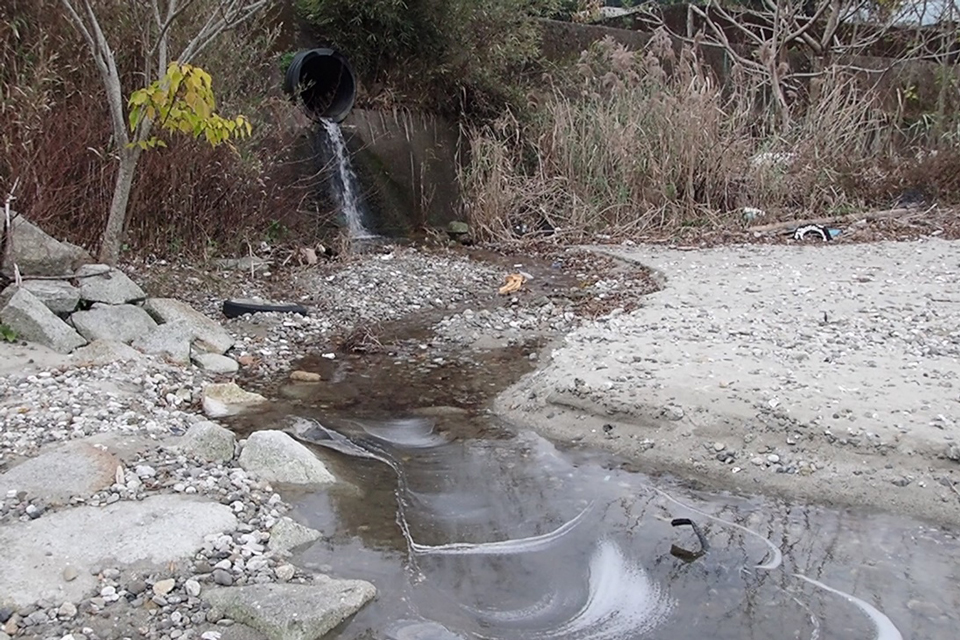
650,142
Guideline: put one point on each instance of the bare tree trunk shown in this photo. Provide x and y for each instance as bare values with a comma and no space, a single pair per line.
112,238
226,15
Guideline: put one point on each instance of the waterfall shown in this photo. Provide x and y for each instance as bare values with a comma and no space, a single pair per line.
345,186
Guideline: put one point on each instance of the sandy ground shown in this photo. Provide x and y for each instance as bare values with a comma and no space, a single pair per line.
820,373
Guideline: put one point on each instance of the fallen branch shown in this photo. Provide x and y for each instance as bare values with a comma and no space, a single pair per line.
853,217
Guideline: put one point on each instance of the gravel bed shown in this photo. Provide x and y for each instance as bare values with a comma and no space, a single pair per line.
144,397
152,401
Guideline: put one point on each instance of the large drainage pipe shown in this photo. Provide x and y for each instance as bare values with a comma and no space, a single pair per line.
323,82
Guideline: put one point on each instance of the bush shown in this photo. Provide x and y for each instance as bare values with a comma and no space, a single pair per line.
464,57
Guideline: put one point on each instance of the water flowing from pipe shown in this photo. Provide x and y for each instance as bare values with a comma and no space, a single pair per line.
347,185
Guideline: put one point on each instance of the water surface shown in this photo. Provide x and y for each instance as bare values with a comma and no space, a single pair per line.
506,537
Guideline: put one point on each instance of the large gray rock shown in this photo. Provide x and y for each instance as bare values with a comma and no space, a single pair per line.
276,457
59,296
33,321
209,441
172,341
101,352
37,254
228,399
116,323
293,612
216,363
74,469
210,336
100,283
287,534
147,534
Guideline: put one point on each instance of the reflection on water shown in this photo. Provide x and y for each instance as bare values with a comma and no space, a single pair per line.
511,538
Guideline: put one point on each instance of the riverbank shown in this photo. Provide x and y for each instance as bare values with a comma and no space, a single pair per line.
826,374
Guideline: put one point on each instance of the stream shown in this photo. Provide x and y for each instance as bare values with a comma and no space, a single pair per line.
472,529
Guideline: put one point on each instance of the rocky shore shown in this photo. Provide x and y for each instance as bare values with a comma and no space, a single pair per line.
129,511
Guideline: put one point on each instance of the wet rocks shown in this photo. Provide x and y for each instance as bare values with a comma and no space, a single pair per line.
26,315
293,612
227,399
208,441
276,457
101,283
287,535
305,376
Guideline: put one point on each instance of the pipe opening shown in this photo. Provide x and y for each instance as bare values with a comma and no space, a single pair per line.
323,82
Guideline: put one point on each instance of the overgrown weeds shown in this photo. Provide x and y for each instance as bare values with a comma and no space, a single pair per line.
652,142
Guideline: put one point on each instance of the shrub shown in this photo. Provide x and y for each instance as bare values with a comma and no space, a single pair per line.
457,56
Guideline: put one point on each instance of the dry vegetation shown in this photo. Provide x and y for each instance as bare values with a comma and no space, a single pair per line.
55,140
652,142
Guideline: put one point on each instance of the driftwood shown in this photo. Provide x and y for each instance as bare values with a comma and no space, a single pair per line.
853,217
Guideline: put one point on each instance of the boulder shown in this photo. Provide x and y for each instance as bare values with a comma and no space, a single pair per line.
59,296
101,352
209,441
171,341
276,457
210,336
37,254
33,321
287,534
228,399
117,323
100,283
74,469
293,611
216,363
149,534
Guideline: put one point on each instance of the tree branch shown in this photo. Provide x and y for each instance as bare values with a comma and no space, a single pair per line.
233,12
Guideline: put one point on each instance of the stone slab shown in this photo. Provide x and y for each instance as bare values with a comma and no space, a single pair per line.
145,535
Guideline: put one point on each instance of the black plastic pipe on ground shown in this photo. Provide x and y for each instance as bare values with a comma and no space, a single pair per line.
323,81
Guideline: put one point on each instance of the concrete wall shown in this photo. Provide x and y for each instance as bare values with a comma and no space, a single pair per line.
406,162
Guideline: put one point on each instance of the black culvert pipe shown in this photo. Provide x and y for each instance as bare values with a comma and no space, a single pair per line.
323,81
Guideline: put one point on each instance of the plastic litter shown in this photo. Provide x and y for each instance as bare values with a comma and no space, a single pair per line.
513,283
815,230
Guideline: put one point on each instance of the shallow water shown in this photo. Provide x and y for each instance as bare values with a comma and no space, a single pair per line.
505,537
